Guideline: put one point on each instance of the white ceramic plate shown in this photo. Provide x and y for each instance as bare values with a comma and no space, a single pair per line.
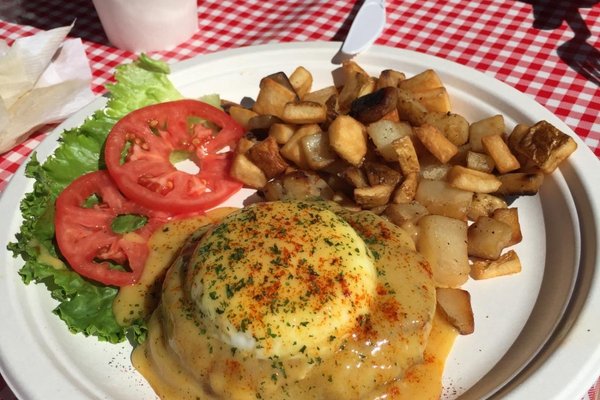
537,333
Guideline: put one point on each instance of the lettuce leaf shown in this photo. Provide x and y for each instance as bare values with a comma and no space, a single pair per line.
85,306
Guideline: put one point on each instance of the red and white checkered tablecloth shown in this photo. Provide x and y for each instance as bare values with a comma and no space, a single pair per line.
547,50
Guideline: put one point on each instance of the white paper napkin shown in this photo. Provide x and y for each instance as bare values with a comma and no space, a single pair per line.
43,79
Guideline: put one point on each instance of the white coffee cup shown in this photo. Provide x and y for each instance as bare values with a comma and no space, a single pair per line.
147,25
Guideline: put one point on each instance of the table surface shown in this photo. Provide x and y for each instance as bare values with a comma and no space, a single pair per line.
547,50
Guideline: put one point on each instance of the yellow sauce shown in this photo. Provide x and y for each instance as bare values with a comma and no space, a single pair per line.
138,301
44,257
423,381
188,356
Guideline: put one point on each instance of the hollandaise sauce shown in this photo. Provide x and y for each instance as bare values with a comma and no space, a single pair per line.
138,301
296,300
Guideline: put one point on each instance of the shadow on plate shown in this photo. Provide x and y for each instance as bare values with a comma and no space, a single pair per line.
576,52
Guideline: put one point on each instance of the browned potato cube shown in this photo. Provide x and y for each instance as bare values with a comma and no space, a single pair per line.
513,142
480,162
374,106
293,150
355,79
487,238
383,133
510,216
409,109
504,160
520,183
297,185
455,305
436,142
317,151
546,146
428,79
432,168
507,264
282,132
243,145
301,79
484,204
265,155
304,112
333,110
392,116
407,155
472,180
272,98
348,138
322,95
380,174
434,100
515,137
373,196
493,125
443,242
247,172
407,190
402,213
390,78
406,216
442,199
281,78
241,115
355,176
352,66
455,127
368,87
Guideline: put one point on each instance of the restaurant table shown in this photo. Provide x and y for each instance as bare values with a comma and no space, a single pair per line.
548,50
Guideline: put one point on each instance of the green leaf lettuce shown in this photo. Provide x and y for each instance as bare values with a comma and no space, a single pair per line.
85,306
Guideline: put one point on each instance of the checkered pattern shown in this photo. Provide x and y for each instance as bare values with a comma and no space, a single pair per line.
551,54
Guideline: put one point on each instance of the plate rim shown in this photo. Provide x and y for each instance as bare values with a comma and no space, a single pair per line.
582,160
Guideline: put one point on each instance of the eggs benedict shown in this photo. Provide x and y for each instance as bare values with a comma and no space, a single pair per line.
290,300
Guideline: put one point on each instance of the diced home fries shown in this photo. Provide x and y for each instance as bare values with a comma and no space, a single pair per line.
393,145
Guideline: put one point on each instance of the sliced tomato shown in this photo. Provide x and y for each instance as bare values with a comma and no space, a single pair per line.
140,147
85,235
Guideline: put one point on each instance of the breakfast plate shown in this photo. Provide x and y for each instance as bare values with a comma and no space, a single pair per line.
537,333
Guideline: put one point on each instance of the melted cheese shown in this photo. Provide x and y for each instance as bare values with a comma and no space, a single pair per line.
198,346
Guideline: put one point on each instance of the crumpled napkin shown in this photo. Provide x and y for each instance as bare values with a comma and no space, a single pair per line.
43,79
